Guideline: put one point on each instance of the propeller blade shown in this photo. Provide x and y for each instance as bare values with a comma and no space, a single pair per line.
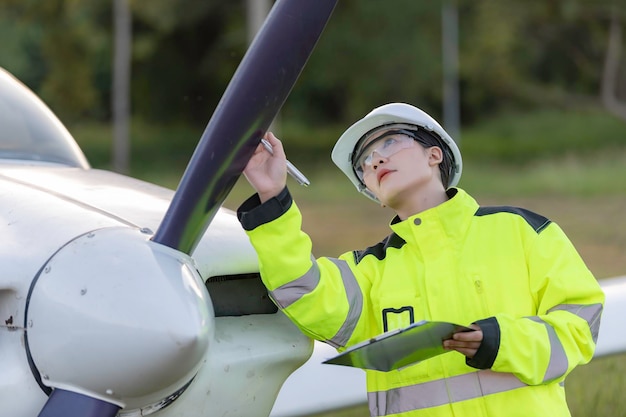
250,103
62,403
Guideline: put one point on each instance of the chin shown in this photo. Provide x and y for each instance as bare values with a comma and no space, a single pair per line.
386,201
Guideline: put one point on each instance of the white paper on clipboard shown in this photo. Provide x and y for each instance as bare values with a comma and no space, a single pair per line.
401,347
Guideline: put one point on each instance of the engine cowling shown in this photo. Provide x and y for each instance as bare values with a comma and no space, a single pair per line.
117,317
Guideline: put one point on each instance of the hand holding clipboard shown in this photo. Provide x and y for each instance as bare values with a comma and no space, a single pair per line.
401,347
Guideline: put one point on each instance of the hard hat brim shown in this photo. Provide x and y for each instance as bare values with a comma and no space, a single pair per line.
389,114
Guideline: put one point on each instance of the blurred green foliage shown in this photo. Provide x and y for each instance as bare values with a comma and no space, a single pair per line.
577,153
530,75
513,56
548,133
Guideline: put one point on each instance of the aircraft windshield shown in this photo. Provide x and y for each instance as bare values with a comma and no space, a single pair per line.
30,131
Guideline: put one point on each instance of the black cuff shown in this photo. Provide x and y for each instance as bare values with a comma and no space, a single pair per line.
251,213
486,354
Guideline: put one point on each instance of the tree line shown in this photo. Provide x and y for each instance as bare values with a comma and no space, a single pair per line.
512,55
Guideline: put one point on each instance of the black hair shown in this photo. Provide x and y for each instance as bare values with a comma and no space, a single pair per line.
429,139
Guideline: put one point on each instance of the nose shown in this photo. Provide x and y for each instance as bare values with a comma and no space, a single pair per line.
377,160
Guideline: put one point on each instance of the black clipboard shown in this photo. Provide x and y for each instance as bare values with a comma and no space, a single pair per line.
399,348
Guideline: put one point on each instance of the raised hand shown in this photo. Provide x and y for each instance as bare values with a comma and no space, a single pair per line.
267,172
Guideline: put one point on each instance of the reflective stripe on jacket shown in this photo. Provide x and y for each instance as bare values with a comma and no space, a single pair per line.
512,271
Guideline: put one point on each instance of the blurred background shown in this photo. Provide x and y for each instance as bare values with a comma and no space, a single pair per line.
534,93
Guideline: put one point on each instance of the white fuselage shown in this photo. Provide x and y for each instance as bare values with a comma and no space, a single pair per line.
75,232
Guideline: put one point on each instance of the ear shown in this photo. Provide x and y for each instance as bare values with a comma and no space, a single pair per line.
435,155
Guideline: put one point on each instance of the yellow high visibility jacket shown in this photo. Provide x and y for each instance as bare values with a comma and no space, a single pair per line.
511,271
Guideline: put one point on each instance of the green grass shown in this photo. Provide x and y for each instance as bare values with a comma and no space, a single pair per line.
516,138
597,389
600,173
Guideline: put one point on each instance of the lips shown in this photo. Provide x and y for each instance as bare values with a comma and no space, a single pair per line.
382,173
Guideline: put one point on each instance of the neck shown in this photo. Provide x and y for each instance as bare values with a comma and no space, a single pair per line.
421,201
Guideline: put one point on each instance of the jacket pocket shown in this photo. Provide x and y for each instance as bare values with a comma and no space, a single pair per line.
396,311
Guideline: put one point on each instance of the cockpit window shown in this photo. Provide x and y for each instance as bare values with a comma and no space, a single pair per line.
30,131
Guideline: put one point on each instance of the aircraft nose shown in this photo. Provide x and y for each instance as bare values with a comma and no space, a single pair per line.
118,317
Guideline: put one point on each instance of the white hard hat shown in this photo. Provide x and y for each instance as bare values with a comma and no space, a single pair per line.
389,114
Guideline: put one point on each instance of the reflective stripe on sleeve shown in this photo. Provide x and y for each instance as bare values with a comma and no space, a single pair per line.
557,366
591,313
355,300
442,391
287,294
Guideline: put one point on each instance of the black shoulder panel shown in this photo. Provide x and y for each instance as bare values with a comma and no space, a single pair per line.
536,221
380,249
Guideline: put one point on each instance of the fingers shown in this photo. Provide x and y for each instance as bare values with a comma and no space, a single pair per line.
475,336
271,138
456,343
266,170
263,155
453,344
277,145
470,353
468,349
466,343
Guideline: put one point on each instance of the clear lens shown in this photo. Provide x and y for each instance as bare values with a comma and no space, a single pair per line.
385,146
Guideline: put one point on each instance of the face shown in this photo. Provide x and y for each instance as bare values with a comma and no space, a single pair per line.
385,144
395,167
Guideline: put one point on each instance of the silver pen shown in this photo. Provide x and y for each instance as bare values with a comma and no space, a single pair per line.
291,169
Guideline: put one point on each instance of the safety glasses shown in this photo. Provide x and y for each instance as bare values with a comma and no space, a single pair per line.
386,145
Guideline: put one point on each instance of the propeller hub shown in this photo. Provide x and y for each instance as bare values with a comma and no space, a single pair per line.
117,317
